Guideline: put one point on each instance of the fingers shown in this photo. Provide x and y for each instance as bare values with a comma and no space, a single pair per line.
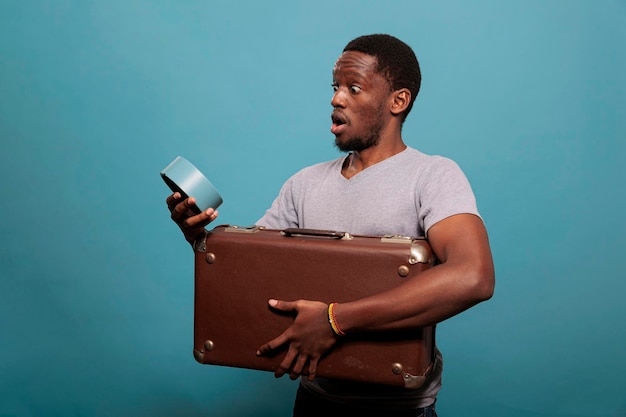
182,209
283,305
313,368
184,212
285,365
273,344
283,338
297,368
172,200
308,338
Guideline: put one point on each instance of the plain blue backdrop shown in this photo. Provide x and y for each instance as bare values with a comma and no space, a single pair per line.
96,282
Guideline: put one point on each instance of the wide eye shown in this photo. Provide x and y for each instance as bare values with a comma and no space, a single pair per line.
355,89
335,87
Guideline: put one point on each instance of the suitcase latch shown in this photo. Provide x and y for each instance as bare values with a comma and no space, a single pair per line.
419,254
239,229
396,239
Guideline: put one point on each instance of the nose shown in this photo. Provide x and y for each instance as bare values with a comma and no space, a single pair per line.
338,99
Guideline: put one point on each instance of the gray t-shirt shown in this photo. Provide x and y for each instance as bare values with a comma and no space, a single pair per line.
405,194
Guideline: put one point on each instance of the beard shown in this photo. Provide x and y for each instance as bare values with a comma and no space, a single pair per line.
361,143
358,144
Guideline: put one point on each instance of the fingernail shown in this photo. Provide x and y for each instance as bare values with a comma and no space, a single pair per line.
273,302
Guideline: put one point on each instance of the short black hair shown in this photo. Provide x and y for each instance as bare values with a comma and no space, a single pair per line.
396,62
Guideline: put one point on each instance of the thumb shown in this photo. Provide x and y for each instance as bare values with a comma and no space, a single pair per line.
282,305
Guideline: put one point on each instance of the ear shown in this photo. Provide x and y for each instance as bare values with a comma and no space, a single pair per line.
400,101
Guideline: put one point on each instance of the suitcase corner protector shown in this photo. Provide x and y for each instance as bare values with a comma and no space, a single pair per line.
199,245
413,381
198,355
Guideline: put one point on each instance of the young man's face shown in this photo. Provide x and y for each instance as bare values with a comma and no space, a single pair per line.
361,102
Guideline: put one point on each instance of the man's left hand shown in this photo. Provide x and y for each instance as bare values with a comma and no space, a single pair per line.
309,337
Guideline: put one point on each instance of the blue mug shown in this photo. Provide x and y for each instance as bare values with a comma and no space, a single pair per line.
181,176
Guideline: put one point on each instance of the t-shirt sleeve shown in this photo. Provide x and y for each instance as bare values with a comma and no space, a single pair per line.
445,191
283,213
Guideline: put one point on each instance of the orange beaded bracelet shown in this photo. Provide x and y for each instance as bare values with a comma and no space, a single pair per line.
333,322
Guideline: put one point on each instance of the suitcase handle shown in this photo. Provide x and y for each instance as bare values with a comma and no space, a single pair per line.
315,233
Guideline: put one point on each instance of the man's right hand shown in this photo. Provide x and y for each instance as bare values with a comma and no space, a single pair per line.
191,224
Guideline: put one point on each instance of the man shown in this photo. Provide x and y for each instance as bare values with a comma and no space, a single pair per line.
381,187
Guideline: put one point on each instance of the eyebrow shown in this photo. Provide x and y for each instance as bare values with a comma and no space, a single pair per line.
358,76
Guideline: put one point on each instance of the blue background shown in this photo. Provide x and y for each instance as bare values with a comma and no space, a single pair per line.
96,287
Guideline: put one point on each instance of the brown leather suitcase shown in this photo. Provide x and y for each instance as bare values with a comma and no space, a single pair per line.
237,270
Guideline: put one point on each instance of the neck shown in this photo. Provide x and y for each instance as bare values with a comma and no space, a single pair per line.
358,161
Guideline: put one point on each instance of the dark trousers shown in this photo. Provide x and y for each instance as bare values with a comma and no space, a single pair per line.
307,405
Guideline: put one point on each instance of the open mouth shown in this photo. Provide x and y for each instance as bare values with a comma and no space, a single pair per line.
338,122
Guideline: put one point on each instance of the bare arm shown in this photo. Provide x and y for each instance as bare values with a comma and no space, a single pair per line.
464,278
